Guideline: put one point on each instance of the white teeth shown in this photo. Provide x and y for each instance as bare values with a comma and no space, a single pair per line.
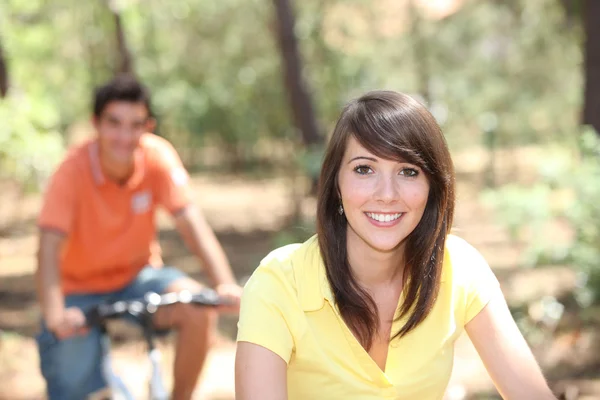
384,217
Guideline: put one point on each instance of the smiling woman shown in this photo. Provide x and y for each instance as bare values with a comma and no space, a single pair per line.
381,158
370,307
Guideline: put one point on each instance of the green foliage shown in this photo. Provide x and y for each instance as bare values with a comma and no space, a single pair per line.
568,190
298,233
585,214
29,147
215,71
215,76
310,161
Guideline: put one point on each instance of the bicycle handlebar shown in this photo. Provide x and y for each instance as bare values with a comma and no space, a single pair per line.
149,304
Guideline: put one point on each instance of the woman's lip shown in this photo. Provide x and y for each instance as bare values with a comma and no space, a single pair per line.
384,223
384,212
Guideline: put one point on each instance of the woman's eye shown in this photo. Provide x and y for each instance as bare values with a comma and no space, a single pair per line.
409,172
363,170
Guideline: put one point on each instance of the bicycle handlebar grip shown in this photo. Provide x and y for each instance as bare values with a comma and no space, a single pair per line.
98,314
207,297
93,317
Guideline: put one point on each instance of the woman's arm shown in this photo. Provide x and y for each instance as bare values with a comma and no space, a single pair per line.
505,353
260,374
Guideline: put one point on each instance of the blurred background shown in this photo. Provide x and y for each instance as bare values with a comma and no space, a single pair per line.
248,91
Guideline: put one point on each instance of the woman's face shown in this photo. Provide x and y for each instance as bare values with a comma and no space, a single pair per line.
383,200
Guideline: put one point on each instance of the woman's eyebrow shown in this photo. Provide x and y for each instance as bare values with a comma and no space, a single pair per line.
363,158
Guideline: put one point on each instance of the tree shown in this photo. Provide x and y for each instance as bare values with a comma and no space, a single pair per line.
299,98
420,50
3,73
125,60
591,108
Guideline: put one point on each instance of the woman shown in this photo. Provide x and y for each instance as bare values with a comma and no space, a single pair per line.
370,307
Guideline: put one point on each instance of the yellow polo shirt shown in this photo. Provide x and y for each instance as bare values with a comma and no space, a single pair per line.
288,308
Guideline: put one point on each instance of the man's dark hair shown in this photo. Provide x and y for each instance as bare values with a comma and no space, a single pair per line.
121,88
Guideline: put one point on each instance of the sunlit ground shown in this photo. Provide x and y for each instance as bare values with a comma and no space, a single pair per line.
247,215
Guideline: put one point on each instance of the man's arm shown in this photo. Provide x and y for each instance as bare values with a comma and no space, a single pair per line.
173,192
201,240
63,322
47,274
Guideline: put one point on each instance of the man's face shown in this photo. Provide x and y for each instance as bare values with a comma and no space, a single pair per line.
120,127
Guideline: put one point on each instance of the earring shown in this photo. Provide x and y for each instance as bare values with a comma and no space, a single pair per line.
341,209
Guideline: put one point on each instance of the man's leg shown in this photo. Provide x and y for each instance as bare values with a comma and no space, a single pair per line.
72,367
194,325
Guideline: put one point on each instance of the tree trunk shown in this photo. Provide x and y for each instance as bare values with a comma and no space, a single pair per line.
125,60
3,73
297,88
591,108
420,52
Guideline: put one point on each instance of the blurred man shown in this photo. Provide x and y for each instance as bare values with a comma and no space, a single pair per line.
98,243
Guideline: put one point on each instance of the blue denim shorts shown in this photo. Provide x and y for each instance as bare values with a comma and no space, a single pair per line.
72,367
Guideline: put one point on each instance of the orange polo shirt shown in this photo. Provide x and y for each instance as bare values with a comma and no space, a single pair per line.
110,229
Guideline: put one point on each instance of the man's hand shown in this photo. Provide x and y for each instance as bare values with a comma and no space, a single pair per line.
63,322
67,323
231,294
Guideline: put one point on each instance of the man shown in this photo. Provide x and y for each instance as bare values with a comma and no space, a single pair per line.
97,243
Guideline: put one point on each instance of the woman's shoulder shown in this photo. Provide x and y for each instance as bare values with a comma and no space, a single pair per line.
463,262
278,267
459,247
468,276
271,313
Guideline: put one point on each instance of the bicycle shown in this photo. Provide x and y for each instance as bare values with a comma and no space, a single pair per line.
142,309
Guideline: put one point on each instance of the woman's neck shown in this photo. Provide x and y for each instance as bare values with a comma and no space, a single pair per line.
372,268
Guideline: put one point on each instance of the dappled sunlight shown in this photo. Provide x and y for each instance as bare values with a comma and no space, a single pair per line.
248,92
245,248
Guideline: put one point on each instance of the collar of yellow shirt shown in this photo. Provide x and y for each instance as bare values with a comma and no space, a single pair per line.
314,290
311,279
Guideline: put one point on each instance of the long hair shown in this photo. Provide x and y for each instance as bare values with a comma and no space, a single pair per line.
392,126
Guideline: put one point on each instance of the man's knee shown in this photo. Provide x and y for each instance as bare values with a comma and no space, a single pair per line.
71,367
186,316
190,316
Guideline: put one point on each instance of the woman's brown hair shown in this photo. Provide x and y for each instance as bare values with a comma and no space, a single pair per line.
392,126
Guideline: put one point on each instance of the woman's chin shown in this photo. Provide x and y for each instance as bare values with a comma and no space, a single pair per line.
384,246
381,242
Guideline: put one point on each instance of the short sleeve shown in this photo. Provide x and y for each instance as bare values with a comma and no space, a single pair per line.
481,285
59,200
173,190
267,312
472,278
